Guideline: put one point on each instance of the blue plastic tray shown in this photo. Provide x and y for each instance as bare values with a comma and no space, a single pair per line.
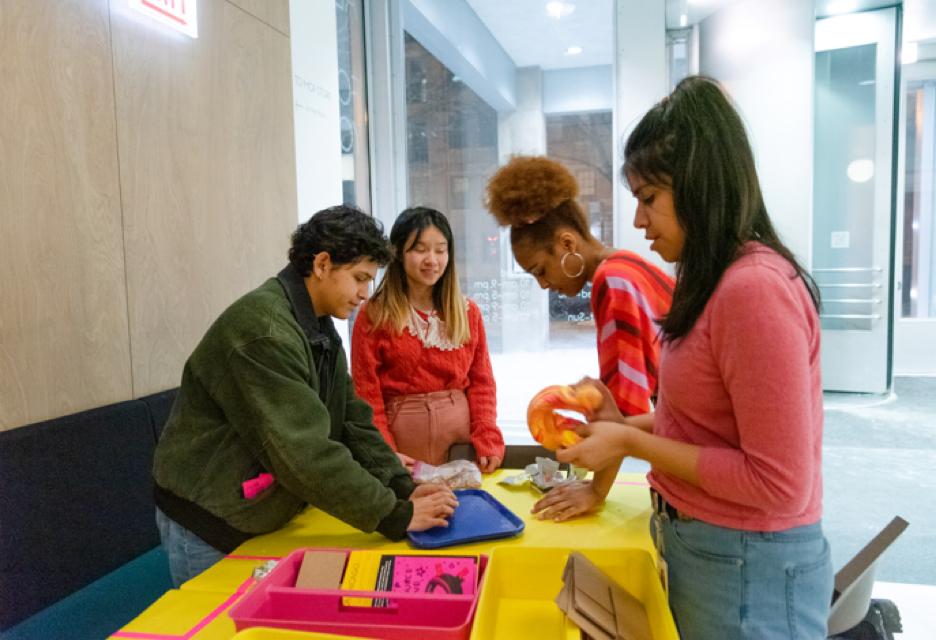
479,516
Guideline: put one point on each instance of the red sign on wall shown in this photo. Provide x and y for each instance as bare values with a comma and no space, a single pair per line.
181,15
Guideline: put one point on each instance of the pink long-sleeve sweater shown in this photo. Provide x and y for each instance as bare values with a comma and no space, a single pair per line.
744,384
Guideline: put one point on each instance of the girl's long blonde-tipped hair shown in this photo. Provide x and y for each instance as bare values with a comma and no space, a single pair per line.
390,306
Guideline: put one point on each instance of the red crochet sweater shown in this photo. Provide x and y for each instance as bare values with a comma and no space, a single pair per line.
385,365
629,296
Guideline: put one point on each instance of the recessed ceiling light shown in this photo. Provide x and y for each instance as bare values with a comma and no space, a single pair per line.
683,20
558,9
841,6
573,51
910,53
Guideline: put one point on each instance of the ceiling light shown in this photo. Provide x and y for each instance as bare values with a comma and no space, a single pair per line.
573,51
558,9
841,6
683,20
910,53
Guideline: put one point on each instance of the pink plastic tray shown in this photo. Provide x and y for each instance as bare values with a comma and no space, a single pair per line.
275,602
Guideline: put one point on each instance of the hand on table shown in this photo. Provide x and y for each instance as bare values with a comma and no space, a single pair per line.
567,501
432,505
431,488
488,464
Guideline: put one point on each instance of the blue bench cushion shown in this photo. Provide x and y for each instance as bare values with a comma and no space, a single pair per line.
160,405
75,503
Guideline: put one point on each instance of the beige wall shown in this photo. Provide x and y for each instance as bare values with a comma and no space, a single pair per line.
148,180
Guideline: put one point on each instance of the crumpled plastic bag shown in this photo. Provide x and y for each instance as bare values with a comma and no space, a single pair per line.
263,570
457,474
543,475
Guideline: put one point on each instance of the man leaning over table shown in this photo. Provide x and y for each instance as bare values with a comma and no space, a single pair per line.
267,391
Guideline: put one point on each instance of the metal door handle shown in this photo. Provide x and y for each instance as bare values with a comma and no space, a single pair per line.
850,316
851,285
853,300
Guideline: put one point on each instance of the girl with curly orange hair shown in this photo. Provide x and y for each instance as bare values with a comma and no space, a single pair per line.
551,240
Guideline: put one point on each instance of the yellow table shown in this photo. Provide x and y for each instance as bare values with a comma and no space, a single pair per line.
197,611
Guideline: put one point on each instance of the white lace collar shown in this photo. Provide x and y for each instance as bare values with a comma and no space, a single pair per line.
430,331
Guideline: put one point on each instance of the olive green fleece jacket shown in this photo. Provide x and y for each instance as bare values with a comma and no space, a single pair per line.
268,389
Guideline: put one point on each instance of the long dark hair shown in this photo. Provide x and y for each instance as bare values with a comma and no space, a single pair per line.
390,305
694,142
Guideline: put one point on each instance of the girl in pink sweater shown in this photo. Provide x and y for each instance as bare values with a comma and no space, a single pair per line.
735,444
419,353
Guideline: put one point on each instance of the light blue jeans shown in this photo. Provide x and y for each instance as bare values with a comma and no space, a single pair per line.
728,584
188,554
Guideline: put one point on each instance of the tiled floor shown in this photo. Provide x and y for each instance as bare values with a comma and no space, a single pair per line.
880,461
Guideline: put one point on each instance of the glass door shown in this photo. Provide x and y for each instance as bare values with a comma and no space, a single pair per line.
853,197
915,329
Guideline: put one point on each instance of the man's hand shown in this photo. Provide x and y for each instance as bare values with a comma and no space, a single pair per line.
567,501
431,488
488,464
432,508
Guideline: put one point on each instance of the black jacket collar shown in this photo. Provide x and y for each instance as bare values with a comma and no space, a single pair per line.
319,331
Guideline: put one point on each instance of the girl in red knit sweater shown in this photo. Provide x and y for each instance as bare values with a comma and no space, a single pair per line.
419,353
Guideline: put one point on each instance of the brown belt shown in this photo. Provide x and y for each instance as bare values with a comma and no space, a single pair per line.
663,508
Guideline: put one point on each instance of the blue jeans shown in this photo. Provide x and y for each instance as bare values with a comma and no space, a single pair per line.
188,554
730,584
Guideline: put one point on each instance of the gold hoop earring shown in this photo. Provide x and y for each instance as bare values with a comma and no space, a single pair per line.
562,264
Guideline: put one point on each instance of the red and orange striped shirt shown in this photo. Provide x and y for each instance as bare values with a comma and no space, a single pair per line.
629,297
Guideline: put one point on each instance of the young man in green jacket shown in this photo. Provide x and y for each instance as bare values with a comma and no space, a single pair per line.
267,391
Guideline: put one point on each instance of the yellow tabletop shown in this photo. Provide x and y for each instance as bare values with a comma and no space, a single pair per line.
181,615
184,614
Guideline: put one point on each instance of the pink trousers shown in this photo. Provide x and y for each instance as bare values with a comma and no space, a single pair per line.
425,425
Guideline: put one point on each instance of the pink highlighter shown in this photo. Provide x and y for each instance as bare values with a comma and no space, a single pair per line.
253,487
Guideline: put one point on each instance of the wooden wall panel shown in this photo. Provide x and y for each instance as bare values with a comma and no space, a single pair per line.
63,315
274,12
208,174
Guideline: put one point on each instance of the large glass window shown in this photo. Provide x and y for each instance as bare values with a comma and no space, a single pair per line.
352,97
451,141
476,95
582,142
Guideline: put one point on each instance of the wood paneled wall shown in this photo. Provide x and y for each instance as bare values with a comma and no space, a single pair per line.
147,181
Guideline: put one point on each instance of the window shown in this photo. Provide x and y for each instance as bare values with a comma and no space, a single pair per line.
352,97
582,142
475,96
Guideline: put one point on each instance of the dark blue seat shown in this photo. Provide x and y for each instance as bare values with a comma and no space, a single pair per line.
160,405
75,504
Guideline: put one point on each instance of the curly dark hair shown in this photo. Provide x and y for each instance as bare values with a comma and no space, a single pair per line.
345,233
535,197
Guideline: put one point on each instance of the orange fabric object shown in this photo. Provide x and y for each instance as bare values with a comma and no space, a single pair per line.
554,430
